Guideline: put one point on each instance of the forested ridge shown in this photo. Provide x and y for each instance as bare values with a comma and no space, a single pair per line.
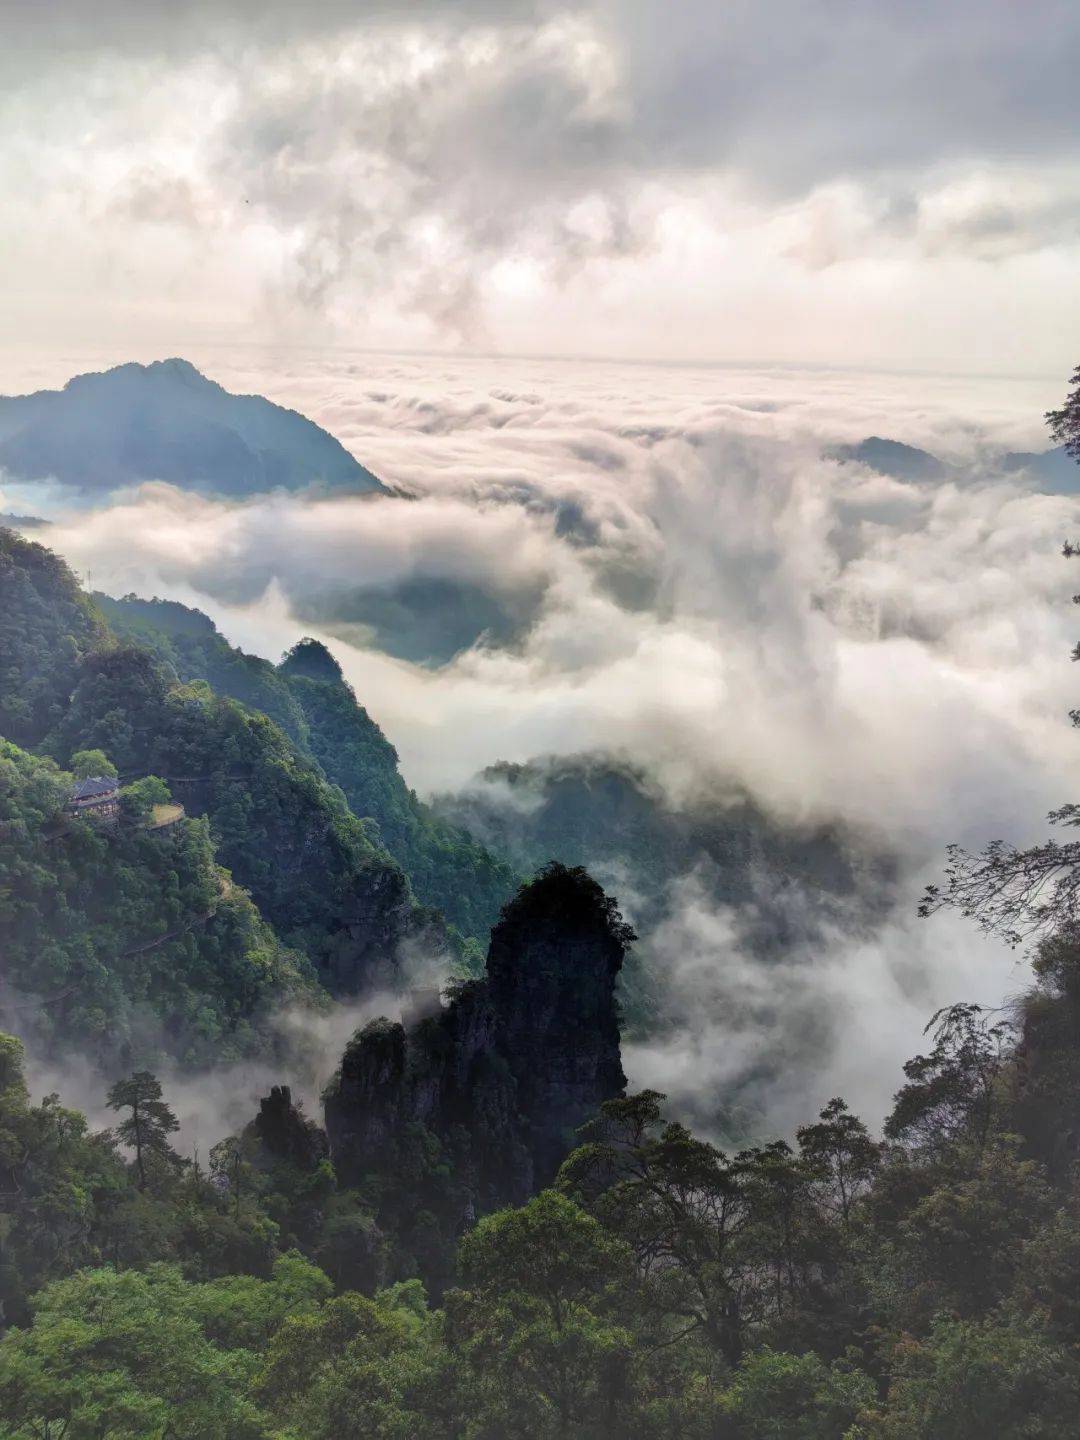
308,697
269,830
482,1235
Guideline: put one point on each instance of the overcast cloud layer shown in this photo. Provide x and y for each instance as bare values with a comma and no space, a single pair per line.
699,588
805,180
667,562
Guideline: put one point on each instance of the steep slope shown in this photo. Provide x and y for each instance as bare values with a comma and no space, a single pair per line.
314,870
447,868
166,421
189,642
490,1088
126,942
46,625
308,696
287,836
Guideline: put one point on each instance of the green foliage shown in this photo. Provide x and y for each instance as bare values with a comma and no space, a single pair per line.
46,625
89,764
795,1397
147,1128
951,1235
308,698
141,796
447,868
312,868
1064,423
741,1246
834,1289
573,895
189,644
1001,1377
842,1154
131,940
57,1183
146,1354
310,660
540,1321
363,1369
951,1093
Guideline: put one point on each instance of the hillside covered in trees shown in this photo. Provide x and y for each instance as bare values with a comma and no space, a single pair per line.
291,875
478,1233
920,1287
309,698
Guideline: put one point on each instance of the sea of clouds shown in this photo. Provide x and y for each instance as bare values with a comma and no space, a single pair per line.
687,580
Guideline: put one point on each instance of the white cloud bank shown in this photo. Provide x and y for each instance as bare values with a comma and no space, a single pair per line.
877,183
700,589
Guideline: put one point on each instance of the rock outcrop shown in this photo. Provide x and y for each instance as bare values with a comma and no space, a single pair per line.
285,1134
501,1076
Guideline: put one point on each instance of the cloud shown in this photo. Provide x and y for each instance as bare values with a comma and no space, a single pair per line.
584,177
307,1045
754,1048
852,89
730,608
778,595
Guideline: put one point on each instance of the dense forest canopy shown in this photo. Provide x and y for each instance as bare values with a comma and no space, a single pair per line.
923,1287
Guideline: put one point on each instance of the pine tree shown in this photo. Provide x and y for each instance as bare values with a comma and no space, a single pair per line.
151,1122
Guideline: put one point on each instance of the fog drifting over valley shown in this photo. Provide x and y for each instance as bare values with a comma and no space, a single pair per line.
664,564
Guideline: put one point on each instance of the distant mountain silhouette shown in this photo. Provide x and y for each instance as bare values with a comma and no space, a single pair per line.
1053,472
893,458
1057,472
166,421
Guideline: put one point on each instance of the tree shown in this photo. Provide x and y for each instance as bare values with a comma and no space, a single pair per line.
151,1122
682,1207
310,660
365,1369
56,1180
1003,1378
1018,894
776,1396
1065,423
140,797
232,1170
90,764
541,1321
841,1154
957,1243
1014,894
950,1096
130,1354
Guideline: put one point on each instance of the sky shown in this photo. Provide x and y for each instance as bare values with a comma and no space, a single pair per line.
601,286
840,182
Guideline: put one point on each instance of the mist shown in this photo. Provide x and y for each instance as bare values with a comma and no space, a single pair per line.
671,569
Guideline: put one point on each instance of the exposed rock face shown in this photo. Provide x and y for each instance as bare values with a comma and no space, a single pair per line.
287,1135
510,1067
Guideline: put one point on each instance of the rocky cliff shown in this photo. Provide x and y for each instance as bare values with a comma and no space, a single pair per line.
500,1076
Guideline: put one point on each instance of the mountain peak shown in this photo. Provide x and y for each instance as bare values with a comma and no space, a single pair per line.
167,421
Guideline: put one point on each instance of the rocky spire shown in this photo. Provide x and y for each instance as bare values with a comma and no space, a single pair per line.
510,1066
